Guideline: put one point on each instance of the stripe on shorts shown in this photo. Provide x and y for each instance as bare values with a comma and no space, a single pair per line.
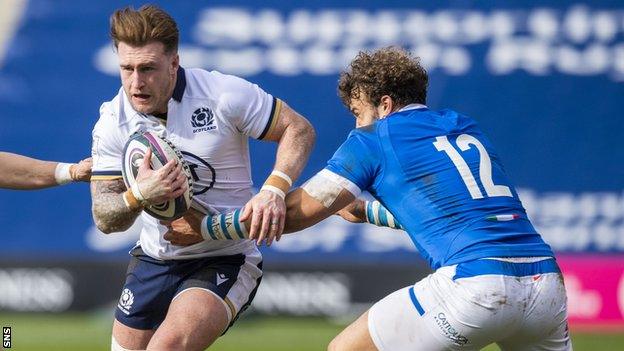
412,295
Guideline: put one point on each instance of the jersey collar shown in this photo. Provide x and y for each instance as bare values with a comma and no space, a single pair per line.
413,107
178,90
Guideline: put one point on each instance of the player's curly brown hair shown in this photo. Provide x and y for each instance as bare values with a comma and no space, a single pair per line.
388,71
147,24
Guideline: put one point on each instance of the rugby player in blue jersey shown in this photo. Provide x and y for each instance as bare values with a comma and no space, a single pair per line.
435,175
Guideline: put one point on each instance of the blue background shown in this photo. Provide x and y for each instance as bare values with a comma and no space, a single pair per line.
556,132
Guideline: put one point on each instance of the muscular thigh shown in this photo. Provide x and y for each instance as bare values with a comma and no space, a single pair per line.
156,292
131,338
196,318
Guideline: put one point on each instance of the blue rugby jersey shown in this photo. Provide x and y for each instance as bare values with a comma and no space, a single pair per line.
440,177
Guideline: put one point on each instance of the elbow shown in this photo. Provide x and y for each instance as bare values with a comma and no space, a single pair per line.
310,132
102,226
105,226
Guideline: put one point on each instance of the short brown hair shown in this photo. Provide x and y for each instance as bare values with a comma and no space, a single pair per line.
389,71
140,27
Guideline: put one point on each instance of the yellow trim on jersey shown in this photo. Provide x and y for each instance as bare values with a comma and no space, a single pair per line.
105,177
274,117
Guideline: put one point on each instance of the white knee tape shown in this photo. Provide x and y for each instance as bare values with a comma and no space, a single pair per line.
116,347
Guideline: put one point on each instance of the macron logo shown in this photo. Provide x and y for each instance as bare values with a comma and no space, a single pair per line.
221,278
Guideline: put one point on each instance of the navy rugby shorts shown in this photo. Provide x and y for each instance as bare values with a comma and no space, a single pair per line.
152,284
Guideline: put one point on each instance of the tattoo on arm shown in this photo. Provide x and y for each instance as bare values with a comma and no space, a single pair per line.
110,212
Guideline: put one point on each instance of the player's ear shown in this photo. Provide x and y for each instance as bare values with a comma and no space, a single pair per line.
386,106
175,64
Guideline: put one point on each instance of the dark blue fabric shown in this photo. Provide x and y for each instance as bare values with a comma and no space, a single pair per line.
154,283
485,267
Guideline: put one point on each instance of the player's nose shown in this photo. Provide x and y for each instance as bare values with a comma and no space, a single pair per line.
137,81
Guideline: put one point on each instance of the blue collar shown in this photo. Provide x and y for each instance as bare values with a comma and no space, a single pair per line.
178,90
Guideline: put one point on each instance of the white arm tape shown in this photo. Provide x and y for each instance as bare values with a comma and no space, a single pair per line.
325,186
61,173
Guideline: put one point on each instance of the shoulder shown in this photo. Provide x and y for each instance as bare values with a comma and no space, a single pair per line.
367,135
112,117
214,83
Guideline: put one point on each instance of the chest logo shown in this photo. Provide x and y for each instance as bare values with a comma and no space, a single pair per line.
203,120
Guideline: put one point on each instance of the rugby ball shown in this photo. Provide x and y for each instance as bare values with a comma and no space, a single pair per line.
162,151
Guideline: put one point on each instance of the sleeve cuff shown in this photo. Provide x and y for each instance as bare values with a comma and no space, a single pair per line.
273,117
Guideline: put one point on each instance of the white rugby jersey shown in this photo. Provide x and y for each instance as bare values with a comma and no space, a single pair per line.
210,117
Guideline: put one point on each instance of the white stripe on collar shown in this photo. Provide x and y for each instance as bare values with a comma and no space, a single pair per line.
412,107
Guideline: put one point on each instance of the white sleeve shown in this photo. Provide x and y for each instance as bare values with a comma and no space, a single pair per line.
107,147
250,109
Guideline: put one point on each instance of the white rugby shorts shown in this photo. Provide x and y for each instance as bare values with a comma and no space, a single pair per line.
519,306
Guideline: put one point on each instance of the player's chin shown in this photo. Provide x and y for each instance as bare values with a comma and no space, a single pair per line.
146,107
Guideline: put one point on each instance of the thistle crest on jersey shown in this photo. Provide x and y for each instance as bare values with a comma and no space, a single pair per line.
162,151
203,120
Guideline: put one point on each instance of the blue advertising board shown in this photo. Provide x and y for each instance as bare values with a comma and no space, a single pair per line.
543,78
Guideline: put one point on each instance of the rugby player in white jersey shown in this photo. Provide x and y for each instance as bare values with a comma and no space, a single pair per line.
25,173
184,298
437,176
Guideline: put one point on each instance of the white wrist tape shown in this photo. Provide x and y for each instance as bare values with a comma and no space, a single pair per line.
378,215
283,176
137,193
275,190
62,174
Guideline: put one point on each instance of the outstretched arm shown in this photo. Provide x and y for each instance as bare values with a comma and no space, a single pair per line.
318,199
21,172
361,211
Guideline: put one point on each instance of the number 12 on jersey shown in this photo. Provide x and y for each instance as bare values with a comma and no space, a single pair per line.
464,141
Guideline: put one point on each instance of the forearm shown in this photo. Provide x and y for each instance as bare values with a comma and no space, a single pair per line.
302,211
110,211
21,172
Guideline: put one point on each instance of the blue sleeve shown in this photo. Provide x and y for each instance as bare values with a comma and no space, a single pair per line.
356,160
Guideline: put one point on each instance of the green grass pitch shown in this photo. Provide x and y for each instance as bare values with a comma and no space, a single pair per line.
91,331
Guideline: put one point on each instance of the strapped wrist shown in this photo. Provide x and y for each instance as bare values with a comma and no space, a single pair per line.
380,216
62,173
274,190
131,201
278,182
137,193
